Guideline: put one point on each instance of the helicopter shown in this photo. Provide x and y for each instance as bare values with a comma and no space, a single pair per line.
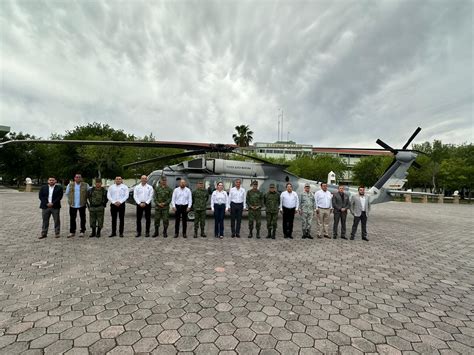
213,170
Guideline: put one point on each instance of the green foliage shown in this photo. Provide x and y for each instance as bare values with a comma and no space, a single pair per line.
369,169
317,167
243,137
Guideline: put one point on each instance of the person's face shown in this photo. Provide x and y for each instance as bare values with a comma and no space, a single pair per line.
51,181
272,189
78,178
324,187
143,179
255,186
163,182
237,183
200,185
118,180
98,184
306,189
361,191
182,183
220,186
341,189
289,188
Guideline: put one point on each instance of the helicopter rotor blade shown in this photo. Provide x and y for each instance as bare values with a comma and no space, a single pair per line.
411,138
386,146
166,157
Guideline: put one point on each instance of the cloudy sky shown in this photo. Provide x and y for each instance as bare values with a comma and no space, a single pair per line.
344,72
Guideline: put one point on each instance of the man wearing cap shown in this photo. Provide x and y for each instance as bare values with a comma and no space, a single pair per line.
289,204
200,198
323,209
254,202
163,194
237,205
340,203
97,199
307,207
181,202
143,194
271,201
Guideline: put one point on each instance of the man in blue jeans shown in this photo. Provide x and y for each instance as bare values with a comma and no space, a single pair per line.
76,193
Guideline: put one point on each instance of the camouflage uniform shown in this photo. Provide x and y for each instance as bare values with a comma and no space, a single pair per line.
307,207
97,199
200,198
272,204
255,204
162,195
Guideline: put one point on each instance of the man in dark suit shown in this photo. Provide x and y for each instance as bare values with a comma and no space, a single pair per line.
360,208
50,196
340,204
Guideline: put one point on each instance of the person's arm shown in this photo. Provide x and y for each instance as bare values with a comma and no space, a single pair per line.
150,192
330,202
109,194
125,193
135,194
173,199
245,200
213,196
297,203
352,205
190,199
333,200
227,201
68,188
281,202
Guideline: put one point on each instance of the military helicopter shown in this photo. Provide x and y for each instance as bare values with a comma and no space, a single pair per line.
213,170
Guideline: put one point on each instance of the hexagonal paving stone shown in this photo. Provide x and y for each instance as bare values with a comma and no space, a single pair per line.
168,337
186,344
145,345
226,342
128,337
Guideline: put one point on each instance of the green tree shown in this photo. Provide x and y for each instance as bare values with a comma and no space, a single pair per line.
317,167
243,137
369,169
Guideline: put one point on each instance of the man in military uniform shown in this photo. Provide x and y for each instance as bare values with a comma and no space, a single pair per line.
200,198
272,204
163,194
255,204
307,207
97,200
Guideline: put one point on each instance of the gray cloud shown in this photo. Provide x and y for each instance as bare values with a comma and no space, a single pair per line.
345,72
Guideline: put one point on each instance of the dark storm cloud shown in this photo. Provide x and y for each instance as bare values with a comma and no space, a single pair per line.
344,72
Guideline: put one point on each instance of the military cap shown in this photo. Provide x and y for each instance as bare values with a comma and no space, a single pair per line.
272,185
163,178
307,185
255,182
98,180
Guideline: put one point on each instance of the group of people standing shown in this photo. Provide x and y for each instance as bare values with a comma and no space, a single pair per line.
182,200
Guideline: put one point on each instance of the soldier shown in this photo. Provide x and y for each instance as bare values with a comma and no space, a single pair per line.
163,194
200,198
255,203
307,207
272,203
97,199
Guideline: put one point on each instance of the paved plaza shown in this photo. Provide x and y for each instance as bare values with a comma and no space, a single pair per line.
409,290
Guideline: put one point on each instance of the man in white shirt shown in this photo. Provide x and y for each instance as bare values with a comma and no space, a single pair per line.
181,202
323,200
50,196
360,208
289,205
143,194
117,194
237,205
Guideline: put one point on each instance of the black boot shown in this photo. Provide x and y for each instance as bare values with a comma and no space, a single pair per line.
195,233
93,234
273,233
98,232
203,235
308,235
250,232
258,233
165,232
157,232
269,233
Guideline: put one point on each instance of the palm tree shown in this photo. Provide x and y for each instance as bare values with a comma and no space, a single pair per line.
243,137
